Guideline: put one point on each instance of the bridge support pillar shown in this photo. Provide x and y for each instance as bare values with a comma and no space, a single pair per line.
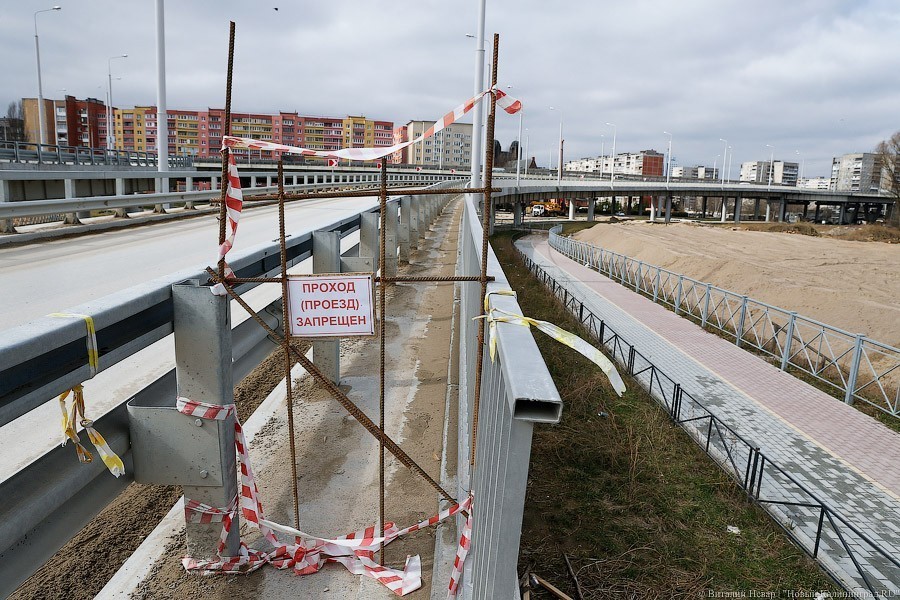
517,214
668,208
120,191
816,214
253,181
327,259
6,225
756,209
213,183
71,218
572,209
202,324
592,206
724,209
768,210
703,200
843,217
653,200
782,211
805,210
268,181
738,205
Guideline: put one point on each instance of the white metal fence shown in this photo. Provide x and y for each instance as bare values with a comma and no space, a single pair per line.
858,367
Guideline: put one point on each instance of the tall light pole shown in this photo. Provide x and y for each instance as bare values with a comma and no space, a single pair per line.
37,55
162,117
602,154
668,157
559,166
724,159
800,175
730,161
526,153
612,162
771,164
518,145
479,87
110,135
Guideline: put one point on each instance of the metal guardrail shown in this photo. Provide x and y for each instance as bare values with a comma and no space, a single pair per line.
517,391
853,364
812,523
57,154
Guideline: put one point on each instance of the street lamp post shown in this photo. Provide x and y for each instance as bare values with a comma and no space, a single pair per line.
518,145
526,153
724,159
602,154
771,164
479,87
559,165
612,162
110,136
800,175
668,158
37,55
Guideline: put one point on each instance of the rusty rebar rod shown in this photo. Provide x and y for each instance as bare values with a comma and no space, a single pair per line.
286,346
382,257
401,279
223,216
351,408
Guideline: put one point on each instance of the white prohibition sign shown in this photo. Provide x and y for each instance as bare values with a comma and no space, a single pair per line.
335,305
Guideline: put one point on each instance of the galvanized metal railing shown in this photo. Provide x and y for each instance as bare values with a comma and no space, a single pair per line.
857,560
854,365
59,154
517,392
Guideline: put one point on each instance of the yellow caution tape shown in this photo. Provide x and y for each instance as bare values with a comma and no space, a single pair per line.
571,340
93,354
70,420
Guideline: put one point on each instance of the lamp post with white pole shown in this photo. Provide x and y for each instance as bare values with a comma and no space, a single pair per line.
518,145
526,153
800,175
559,166
724,159
771,164
37,54
602,154
110,135
612,162
479,87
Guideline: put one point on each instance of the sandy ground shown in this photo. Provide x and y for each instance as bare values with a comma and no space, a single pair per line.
851,285
337,458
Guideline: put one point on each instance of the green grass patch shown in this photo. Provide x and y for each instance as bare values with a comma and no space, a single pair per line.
641,511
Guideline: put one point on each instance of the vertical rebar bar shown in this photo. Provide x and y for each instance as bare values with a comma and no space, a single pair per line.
382,197
286,344
486,225
227,128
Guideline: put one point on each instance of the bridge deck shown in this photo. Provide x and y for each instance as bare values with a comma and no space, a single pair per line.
846,458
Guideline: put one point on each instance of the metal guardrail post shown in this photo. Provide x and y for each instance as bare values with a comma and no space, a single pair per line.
637,279
6,225
203,370
69,186
679,293
390,240
854,369
189,187
739,326
120,191
656,286
405,233
368,237
789,337
327,259
704,314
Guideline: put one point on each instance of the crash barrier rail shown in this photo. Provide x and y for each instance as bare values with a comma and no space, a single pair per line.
68,209
517,391
58,154
45,503
858,367
814,525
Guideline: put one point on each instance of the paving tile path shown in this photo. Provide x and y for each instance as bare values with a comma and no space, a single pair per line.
848,460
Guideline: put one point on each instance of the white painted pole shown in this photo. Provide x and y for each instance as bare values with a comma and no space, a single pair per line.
724,159
519,149
479,87
162,121
37,54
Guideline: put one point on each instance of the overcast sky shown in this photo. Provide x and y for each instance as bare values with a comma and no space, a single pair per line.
815,76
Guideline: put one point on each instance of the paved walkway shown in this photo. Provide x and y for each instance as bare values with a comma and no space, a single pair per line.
847,459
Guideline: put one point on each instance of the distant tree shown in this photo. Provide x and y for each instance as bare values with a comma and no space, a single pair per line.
15,121
888,153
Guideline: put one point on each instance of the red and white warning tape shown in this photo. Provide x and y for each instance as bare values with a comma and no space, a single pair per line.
307,553
234,195
504,101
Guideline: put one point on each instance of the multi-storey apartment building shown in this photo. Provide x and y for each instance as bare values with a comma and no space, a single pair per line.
451,147
857,172
648,163
698,172
759,171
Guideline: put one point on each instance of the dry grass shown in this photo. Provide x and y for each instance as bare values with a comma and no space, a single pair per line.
638,507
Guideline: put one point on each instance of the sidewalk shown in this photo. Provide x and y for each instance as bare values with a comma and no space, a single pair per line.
849,460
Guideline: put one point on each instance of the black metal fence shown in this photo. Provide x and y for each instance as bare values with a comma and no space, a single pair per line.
847,554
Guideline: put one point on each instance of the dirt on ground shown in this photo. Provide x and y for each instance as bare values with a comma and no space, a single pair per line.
847,284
